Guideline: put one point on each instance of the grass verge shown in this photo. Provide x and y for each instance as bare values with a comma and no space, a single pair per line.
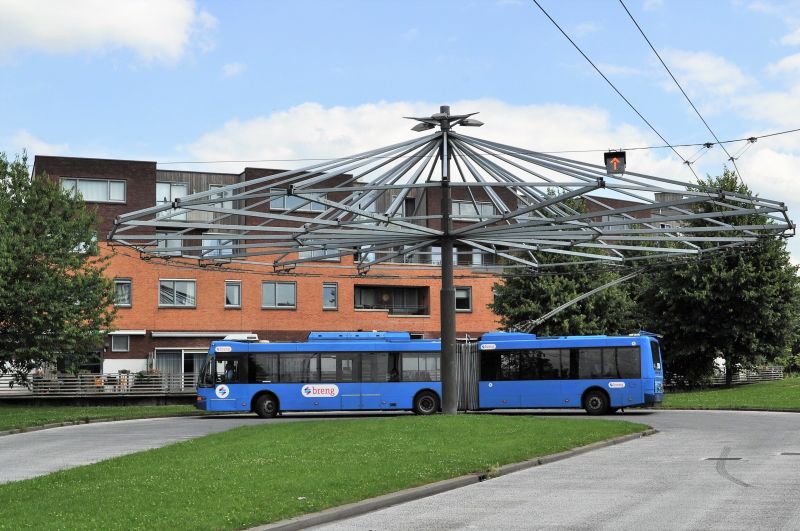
781,394
259,474
21,417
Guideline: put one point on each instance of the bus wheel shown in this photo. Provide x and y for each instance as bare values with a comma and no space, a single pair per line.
595,402
426,403
266,406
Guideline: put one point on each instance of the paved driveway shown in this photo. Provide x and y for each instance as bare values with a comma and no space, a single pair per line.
660,482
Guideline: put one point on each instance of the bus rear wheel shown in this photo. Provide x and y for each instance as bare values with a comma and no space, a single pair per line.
266,406
595,402
426,403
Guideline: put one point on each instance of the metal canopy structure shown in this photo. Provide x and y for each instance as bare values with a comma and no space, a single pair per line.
448,198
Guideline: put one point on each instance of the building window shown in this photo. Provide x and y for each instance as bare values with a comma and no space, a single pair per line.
470,210
331,255
168,247
330,296
226,203
120,343
291,202
123,292
166,193
233,294
396,300
463,299
96,190
222,241
278,295
177,293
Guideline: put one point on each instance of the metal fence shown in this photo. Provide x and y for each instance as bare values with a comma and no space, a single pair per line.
80,385
759,374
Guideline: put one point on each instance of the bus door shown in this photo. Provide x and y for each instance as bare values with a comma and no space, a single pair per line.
340,369
228,371
378,372
541,373
499,385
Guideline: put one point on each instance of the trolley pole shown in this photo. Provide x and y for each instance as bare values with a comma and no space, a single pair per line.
448,293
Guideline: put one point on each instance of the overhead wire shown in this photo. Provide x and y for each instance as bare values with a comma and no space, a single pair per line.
574,44
730,158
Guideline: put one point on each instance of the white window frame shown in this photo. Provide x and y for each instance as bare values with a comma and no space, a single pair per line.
233,283
321,255
178,215
484,209
279,203
167,244
335,286
276,306
218,239
121,281
469,299
224,203
118,337
194,296
76,188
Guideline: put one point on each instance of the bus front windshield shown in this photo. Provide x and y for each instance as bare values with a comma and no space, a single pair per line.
207,377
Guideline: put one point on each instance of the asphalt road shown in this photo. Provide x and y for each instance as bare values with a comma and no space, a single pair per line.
665,481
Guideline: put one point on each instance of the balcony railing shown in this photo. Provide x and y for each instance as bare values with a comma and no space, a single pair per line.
393,309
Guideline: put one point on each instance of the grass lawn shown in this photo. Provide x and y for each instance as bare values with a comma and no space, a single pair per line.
16,417
782,394
259,474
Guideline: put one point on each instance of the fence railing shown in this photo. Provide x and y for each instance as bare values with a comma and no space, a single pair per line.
760,374
62,385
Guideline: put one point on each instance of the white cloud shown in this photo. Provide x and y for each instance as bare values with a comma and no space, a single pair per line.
35,146
313,131
585,28
233,69
652,5
158,30
791,39
705,73
780,108
789,64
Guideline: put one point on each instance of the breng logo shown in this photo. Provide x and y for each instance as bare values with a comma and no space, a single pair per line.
320,390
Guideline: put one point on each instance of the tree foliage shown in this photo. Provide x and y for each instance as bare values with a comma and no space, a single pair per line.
739,305
55,302
520,298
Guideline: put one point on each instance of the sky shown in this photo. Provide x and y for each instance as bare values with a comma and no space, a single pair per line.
208,85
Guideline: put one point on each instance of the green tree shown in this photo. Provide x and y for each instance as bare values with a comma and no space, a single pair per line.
739,305
519,298
55,302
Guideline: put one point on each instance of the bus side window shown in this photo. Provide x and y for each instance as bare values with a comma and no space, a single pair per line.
263,367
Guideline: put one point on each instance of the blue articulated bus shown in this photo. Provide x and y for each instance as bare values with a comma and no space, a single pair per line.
600,374
390,371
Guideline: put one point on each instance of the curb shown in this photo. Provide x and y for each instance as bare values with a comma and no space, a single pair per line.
756,409
387,500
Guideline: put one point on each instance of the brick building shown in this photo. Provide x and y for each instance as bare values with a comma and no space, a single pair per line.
169,310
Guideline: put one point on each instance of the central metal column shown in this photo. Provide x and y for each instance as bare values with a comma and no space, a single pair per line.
447,296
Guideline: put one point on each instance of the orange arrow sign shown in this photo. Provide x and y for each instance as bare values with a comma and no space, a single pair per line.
615,161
